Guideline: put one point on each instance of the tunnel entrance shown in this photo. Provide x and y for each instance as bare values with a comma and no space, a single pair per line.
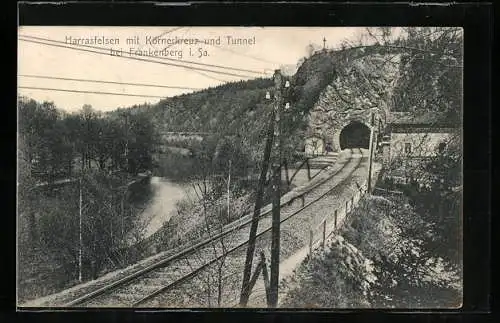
355,135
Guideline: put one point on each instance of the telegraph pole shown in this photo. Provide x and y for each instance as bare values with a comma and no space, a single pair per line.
125,115
247,271
125,176
370,156
275,230
228,190
273,131
80,234
122,211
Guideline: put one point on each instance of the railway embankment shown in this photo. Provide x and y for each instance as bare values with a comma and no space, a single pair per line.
219,285
77,291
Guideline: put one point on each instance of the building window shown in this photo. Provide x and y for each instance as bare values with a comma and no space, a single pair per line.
407,148
441,147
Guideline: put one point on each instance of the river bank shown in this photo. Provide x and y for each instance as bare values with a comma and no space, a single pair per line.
160,208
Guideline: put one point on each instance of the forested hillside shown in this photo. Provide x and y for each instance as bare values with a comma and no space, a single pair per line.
239,111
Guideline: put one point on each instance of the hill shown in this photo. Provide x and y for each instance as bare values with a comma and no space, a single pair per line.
239,110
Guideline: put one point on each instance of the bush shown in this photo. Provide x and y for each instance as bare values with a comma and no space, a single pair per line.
379,259
396,237
339,277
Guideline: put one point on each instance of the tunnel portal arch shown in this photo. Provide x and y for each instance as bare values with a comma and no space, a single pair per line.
355,134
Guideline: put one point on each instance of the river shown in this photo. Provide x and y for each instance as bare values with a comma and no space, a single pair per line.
164,197
161,206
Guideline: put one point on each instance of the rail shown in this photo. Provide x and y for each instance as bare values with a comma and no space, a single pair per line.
237,224
214,260
193,248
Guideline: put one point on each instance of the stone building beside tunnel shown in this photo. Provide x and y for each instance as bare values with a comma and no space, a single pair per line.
411,138
315,145
418,136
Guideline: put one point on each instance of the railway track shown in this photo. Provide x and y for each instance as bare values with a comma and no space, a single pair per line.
295,220
143,286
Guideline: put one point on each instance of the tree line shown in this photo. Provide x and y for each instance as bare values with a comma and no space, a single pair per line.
54,144
97,152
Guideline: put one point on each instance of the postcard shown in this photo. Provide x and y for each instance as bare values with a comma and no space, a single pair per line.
229,167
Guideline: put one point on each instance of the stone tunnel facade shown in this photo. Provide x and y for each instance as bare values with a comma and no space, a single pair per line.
342,104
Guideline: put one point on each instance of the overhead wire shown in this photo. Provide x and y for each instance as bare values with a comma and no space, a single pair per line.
136,84
165,33
65,45
212,77
197,72
138,59
108,82
44,41
192,69
90,92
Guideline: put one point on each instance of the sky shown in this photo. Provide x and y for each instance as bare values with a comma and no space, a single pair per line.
258,49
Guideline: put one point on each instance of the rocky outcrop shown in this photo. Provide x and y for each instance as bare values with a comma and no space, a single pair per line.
359,89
